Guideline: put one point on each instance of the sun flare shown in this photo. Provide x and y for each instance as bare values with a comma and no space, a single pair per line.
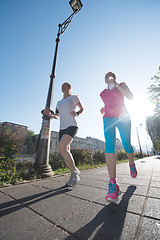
139,108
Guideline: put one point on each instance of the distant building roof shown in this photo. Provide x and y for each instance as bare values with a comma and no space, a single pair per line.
13,124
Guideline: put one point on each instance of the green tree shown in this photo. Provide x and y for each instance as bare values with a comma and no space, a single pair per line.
8,143
153,129
153,122
154,91
30,142
30,134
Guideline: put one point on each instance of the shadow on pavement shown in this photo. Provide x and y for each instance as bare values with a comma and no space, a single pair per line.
109,222
15,205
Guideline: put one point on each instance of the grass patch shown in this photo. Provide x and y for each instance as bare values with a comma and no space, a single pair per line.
122,161
65,170
12,171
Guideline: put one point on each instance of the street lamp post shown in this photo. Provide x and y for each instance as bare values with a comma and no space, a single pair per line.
139,142
43,146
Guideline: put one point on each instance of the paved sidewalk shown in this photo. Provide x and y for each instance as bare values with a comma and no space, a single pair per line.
46,209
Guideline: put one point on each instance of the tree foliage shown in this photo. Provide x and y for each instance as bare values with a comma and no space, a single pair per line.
153,128
9,142
154,91
153,122
30,142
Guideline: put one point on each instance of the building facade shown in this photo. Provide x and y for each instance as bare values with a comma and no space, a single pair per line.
92,144
89,143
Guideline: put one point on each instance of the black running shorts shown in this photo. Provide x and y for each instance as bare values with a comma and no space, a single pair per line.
71,131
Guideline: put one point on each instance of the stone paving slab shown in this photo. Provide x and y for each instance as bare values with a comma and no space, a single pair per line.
140,190
95,183
156,178
140,176
127,202
155,183
96,173
56,205
85,192
52,204
18,222
51,183
150,229
153,208
24,192
46,209
54,233
101,222
130,181
156,173
154,192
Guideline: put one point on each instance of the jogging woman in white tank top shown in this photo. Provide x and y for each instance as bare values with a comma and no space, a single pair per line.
65,111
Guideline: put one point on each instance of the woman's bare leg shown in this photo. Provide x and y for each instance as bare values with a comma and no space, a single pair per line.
64,150
130,158
111,164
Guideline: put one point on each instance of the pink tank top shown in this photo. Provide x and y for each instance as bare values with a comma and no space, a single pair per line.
113,103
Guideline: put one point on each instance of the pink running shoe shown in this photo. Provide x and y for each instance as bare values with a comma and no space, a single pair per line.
133,170
113,193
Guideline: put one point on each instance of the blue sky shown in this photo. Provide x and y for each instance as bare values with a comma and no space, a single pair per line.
119,36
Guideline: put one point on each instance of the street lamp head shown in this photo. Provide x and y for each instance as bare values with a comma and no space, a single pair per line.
76,5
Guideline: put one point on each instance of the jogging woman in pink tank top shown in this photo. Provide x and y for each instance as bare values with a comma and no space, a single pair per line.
115,115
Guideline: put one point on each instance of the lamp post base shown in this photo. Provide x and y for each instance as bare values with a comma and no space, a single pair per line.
44,170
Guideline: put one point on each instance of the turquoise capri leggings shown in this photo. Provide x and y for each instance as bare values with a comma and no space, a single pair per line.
124,126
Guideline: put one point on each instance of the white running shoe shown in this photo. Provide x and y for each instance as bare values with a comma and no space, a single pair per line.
74,178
